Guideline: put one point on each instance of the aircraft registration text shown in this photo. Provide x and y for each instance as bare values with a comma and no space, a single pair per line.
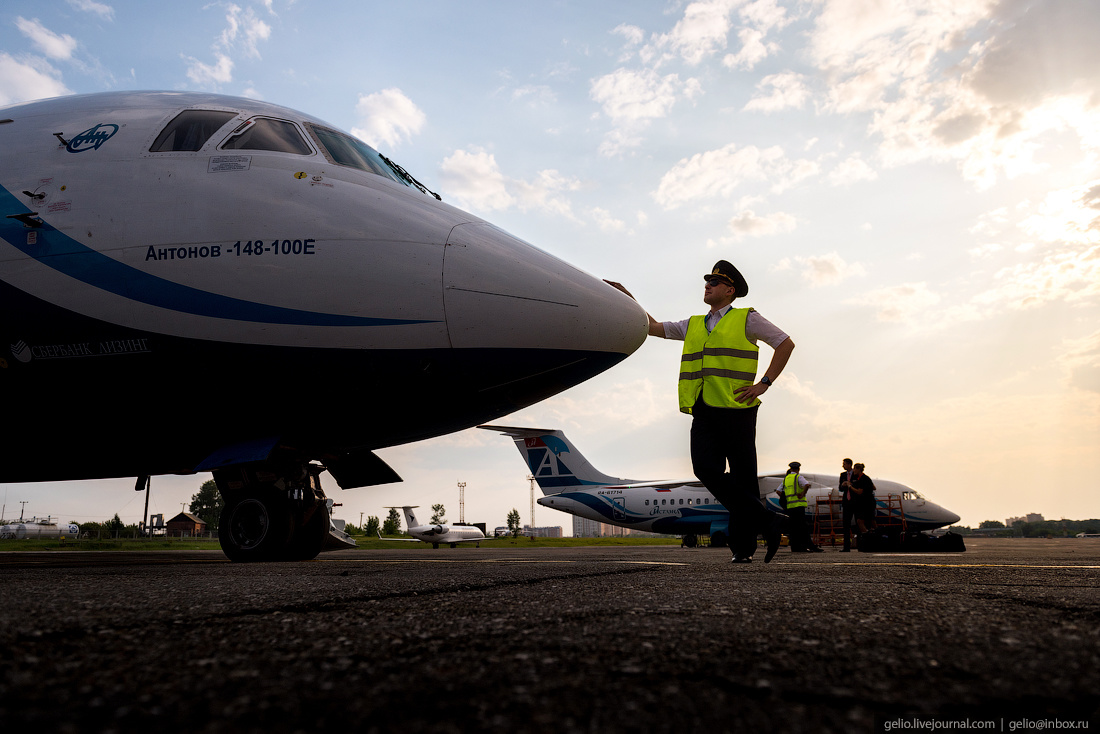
237,249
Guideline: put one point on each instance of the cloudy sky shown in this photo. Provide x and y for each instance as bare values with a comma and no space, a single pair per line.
911,188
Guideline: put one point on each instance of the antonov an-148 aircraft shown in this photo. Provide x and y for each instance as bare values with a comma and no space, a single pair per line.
446,533
571,484
193,282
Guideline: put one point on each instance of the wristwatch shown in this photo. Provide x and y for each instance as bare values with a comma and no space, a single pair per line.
766,380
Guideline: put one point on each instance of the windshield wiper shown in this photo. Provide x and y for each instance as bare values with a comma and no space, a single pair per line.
408,177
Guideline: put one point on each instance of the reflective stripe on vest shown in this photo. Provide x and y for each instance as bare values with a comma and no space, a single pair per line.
717,363
790,489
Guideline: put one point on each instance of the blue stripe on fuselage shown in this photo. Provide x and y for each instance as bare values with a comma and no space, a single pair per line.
65,255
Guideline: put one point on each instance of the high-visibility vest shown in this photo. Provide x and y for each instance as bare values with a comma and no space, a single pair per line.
790,489
717,363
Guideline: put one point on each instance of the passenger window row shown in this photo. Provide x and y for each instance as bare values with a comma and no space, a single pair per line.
700,501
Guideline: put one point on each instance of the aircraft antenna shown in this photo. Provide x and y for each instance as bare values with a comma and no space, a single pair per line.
462,502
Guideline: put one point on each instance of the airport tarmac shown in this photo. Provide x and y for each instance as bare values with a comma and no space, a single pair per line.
601,639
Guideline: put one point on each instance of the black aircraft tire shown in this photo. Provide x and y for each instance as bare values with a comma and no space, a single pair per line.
254,528
308,535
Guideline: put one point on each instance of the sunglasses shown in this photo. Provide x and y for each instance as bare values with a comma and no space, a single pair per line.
716,281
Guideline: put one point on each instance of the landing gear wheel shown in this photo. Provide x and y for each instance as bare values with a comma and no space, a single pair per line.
254,528
718,540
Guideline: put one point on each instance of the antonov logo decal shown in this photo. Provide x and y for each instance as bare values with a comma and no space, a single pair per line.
92,138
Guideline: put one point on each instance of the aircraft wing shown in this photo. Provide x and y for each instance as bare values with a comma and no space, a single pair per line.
398,540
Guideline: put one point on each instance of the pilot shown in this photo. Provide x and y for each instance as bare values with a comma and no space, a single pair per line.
718,388
794,491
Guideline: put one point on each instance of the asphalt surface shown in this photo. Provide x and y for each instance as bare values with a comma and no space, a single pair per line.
647,639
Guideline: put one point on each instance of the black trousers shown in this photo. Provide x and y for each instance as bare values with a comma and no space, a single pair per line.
727,436
848,515
798,531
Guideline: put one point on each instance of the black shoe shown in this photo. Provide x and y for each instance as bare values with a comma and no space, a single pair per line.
845,550
815,549
772,536
741,559
800,550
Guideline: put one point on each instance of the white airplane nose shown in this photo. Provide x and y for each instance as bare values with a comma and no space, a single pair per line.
502,293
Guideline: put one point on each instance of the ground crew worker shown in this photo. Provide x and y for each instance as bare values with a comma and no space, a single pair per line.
795,487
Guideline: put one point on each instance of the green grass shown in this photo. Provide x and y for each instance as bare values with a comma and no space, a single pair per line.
126,544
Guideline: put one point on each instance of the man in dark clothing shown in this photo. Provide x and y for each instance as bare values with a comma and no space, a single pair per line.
847,504
863,490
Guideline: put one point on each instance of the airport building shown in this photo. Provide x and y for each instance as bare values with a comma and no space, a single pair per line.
546,532
585,528
1030,517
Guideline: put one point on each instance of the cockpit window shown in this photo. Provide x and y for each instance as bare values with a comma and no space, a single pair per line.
189,130
345,150
263,133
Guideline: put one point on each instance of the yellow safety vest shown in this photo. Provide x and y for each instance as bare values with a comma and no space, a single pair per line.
790,489
717,363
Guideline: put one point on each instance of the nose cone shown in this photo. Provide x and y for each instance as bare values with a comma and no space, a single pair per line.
502,293
947,517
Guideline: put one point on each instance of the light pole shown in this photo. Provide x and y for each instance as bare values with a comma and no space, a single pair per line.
462,502
531,479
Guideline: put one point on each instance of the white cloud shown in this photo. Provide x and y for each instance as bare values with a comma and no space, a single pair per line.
606,222
387,118
828,269
748,224
629,97
632,34
475,180
700,33
21,81
718,173
760,18
786,91
907,302
242,35
1069,215
753,50
1082,362
60,47
850,170
244,30
978,82
90,6
220,72
632,99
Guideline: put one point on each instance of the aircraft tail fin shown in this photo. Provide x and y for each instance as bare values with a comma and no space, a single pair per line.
410,518
554,461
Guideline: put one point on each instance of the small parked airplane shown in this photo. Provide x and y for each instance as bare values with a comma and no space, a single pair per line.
450,533
571,484
166,255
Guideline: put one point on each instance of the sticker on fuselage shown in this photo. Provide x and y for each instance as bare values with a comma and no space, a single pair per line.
92,138
222,163
73,350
